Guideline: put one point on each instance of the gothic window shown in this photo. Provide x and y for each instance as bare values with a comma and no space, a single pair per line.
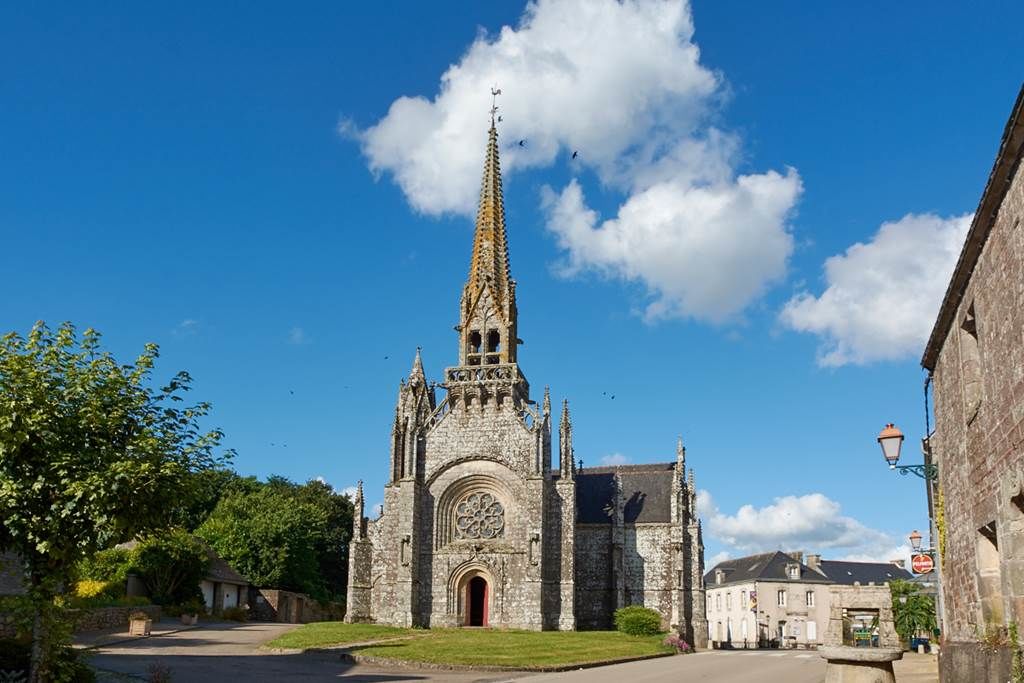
479,515
493,341
474,341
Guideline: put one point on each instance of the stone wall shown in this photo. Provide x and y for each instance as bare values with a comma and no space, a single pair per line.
855,597
287,607
109,617
978,444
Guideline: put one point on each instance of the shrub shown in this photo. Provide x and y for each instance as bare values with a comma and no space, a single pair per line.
111,566
171,565
637,621
681,646
235,614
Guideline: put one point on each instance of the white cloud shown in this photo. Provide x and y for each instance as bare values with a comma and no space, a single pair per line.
615,459
376,510
702,251
811,522
349,491
613,80
622,83
298,336
186,328
882,297
720,556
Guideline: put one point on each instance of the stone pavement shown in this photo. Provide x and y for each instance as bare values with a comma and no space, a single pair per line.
915,668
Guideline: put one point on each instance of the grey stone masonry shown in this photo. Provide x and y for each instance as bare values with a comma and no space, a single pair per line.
975,358
479,526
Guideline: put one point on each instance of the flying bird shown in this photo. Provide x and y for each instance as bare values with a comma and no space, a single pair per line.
499,119
522,143
575,154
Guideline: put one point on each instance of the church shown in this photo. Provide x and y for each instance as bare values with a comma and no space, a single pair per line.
481,528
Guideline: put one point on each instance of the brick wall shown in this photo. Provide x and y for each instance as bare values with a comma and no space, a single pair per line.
978,387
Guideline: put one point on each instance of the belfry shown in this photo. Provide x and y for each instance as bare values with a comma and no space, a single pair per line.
478,527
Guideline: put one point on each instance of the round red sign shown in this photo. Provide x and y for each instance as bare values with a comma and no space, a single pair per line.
922,564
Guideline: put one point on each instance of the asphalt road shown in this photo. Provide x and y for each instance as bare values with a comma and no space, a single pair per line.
760,666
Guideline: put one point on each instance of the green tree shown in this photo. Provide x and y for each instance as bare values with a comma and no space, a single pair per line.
171,564
270,536
912,612
91,454
332,547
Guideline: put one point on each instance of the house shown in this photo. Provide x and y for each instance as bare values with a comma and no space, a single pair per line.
975,363
223,587
776,599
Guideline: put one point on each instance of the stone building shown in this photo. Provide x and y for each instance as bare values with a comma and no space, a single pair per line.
975,360
777,599
480,527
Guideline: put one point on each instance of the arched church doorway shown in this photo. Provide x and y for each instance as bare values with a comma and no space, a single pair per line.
476,602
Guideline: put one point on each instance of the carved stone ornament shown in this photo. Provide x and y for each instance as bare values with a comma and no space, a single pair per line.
479,515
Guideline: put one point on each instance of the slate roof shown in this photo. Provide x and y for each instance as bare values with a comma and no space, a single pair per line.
864,572
763,567
647,490
221,572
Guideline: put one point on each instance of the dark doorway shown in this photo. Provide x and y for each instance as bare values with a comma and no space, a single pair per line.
476,592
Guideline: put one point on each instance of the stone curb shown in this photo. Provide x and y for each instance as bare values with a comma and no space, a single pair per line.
434,666
332,650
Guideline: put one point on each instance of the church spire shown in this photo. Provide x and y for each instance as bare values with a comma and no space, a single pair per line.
416,375
565,451
487,329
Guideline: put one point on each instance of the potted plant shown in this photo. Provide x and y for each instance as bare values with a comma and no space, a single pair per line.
190,612
139,623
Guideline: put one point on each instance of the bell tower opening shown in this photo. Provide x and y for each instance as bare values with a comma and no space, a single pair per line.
476,602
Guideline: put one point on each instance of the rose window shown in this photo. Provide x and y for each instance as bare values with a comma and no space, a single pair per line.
479,515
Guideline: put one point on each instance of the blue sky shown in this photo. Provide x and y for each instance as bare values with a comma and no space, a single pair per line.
232,182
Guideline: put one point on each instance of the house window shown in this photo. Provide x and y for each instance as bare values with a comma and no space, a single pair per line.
810,598
812,631
793,571
781,598
718,602
728,600
743,600
781,632
709,604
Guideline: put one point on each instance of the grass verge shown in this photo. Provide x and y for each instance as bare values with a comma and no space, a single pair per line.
327,633
518,649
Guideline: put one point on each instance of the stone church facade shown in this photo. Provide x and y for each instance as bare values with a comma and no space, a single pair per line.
479,526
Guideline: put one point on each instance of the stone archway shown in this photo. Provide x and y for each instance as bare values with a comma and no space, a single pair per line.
472,591
477,594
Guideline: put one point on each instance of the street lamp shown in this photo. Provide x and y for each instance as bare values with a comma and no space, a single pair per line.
915,539
891,441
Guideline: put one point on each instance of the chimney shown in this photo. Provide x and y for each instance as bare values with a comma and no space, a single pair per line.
814,562
902,564
797,555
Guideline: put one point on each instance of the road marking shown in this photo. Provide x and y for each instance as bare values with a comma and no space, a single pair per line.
781,654
805,656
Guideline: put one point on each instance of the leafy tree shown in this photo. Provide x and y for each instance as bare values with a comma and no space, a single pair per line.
171,564
206,488
271,537
912,612
285,535
332,548
90,455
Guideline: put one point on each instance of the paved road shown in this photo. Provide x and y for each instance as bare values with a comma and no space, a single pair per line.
755,666
216,653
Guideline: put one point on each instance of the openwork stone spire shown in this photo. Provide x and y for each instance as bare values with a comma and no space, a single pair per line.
487,328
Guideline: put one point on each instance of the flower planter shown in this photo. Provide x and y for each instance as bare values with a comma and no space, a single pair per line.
140,627
189,619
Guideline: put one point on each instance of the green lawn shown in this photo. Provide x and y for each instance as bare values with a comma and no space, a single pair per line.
325,633
517,649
